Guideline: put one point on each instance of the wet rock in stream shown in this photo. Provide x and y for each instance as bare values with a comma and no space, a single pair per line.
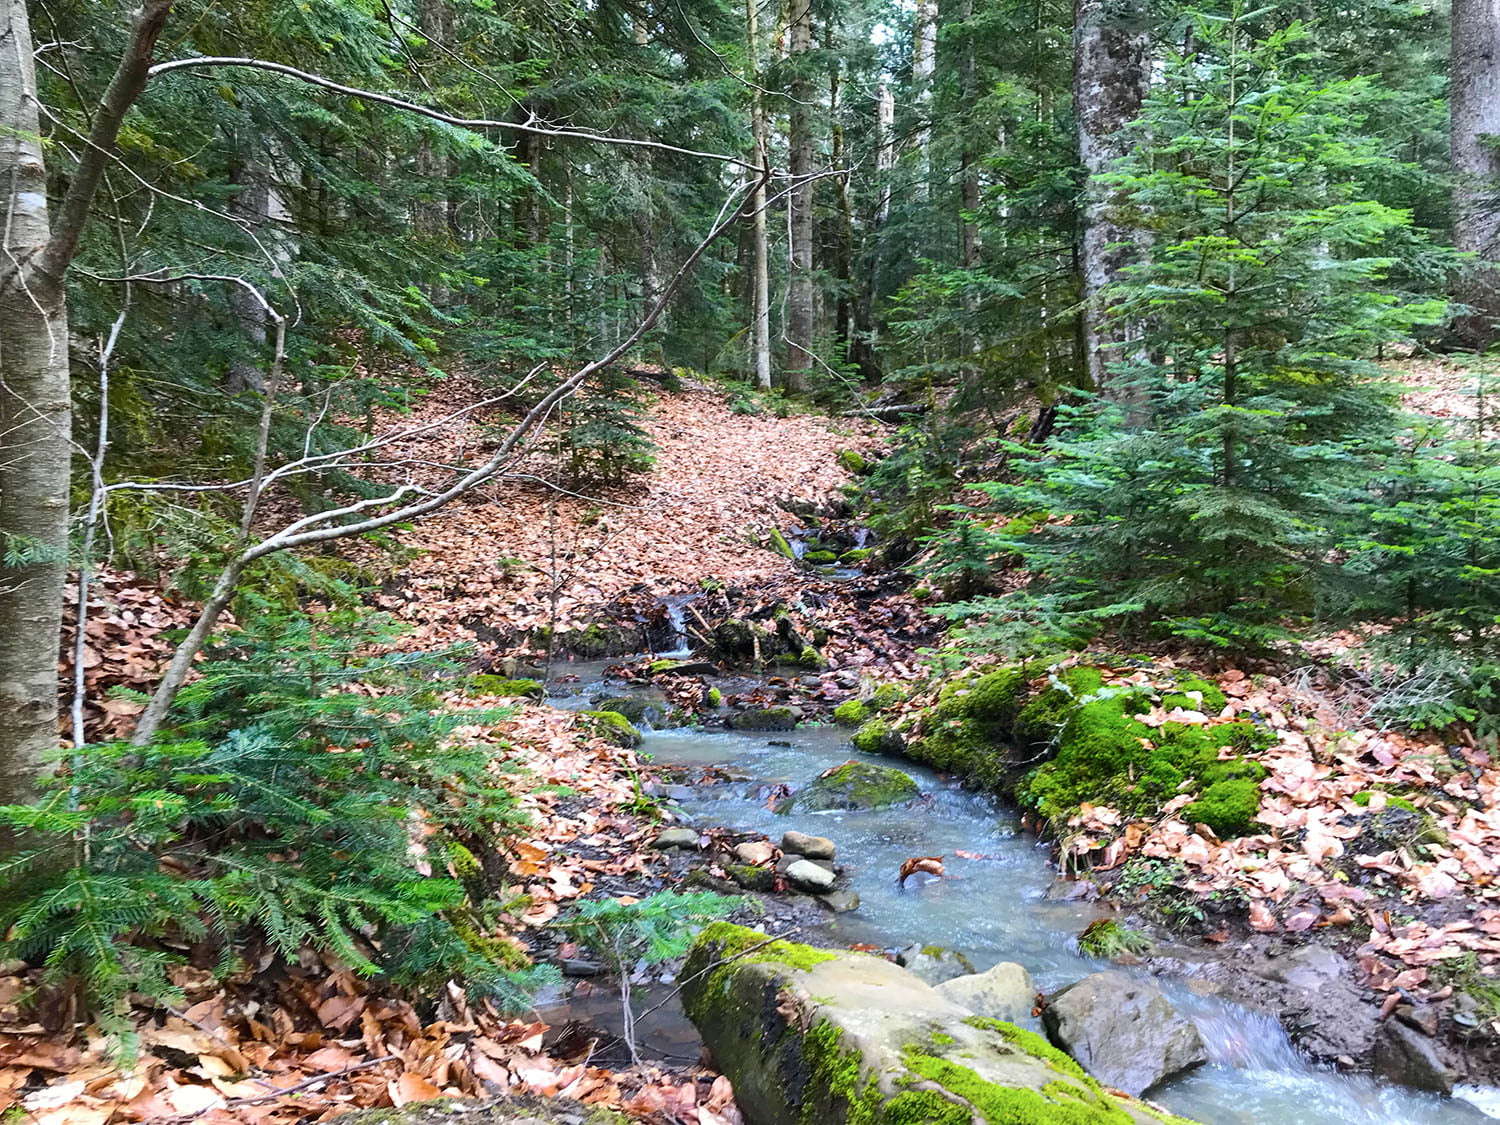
813,847
1123,1030
853,785
933,963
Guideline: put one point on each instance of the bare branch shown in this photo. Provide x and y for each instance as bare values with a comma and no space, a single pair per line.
473,123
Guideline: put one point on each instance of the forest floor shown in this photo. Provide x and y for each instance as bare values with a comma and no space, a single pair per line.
313,1041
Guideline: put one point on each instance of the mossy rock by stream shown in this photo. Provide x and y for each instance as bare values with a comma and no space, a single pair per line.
614,727
853,785
808,1035
1075,740
488,684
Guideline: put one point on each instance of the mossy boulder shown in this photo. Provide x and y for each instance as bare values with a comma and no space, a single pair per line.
852,713
853,785
512,689
855,556
808,1035
613,727
968,731
879,736
632,707
597,640
820,558
764,718
777,542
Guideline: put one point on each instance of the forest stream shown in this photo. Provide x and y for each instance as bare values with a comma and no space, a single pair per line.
990,909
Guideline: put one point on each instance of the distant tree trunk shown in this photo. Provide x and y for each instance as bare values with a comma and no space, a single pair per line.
434,214
923,64
844,243
1111,77
968,180
35,411
1474,81
760,283
800,304
252,205
885,154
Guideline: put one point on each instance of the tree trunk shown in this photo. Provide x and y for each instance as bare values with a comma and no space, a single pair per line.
968,184
843,318
800,298
760,283
1111,77
1474,77
35,413
923,64
252,205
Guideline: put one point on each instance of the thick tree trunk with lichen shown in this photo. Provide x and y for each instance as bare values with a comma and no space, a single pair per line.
1474,82
35,415
35,429
1111,76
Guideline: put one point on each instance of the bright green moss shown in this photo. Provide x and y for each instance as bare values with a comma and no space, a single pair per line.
486,684
996,697
777,542
614,727
1228,807
1029,1042
1212,702
878,737
853,785
856,556
853,461
852,713
1039,721
715,697
1391,802
821,558
1005,1105
885,696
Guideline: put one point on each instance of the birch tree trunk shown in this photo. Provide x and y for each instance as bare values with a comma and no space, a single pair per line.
760,284
35,414
1111,77
800,298
1474,83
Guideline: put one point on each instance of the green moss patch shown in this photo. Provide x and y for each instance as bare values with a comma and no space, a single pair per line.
853,785
486,684
614,727
852,713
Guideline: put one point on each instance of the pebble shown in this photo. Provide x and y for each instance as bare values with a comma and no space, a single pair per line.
840,902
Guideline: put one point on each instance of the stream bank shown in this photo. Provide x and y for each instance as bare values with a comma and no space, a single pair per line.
999,901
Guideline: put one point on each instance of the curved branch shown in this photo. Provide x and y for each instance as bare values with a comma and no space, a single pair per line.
474,123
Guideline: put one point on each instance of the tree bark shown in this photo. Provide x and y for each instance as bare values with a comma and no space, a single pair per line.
1111,77
800,304
1474,80
760,284
35,410
923,65
253,205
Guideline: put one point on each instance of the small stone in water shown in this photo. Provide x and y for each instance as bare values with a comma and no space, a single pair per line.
808,876
840,902
813,847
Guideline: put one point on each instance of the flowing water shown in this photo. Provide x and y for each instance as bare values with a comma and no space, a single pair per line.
993,909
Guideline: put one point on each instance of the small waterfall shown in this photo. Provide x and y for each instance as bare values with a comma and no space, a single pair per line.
1245,1039
676,608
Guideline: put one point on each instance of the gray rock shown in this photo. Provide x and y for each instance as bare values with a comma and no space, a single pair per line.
814,1035
813,847
1309,967
669,838
933,963
808,876
1405,1055
764,718
1005,992
1123,1030
840,902
1072,890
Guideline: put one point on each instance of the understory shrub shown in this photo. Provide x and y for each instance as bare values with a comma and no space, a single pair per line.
310,790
